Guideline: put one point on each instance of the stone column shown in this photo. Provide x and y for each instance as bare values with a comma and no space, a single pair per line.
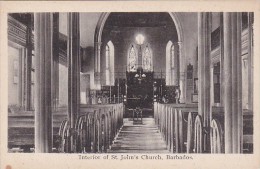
204,61
29,46
232,81
55,60
212,101
238,65
43,82
204,49
73,70
182,74
227,30
234,78
221,59
250,60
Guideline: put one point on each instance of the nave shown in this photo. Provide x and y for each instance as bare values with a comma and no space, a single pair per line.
74,88
144,137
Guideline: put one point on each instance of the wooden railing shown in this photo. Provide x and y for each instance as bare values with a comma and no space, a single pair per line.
183,131
94,131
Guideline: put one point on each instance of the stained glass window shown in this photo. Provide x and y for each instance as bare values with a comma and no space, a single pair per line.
132,59
147,59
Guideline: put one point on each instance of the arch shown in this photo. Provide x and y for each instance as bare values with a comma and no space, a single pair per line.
101,24
104,16
178,25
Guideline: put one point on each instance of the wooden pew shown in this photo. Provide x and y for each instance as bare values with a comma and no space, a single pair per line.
96,127
182,128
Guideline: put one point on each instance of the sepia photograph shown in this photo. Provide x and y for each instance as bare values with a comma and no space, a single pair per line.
130,85
119,82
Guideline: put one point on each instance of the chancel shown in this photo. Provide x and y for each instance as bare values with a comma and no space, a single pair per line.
139,82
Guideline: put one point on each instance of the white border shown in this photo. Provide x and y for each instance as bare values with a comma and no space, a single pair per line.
43,161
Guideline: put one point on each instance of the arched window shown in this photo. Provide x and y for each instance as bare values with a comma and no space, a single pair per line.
147,59
171,73
132,59
110,64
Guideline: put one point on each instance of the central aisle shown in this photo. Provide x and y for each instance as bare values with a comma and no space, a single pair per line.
139,138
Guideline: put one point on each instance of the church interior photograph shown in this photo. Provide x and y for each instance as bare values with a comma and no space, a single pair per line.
130,82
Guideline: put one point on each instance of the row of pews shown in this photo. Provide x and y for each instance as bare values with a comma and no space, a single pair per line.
94,131
183,131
